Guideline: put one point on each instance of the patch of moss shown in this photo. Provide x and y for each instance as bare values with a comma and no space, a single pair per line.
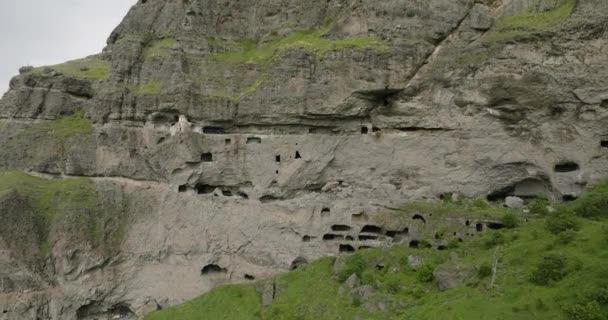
87,68
250,51
71,202
150,88
159,48
52,199
512,27
270,49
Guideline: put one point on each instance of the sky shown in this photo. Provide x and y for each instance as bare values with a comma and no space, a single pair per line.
47,32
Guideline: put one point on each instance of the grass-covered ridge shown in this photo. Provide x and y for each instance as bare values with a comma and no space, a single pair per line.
534,271
249,51
150,88
88,68
523,24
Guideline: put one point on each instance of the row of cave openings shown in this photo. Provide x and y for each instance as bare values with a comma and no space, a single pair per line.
367,233
228,191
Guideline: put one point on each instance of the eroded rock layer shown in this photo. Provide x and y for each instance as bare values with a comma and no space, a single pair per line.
226,140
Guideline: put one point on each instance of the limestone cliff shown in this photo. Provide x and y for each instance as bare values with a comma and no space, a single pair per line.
224,140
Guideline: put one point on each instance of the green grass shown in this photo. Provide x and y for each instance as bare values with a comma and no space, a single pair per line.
74,205
87,68
249,51
511,27
312,292
266,53
222,303
159,48
52,199
150,88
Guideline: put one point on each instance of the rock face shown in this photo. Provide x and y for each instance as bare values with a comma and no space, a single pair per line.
226,139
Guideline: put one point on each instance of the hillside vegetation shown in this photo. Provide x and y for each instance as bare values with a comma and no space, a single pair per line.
552,266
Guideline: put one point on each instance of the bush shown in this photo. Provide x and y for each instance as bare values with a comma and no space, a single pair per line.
588,311
593,204
493,239
510,220
552,268
453,244
561,220
354,264
481,204
425,273
485,270
567,236
539,205
600,295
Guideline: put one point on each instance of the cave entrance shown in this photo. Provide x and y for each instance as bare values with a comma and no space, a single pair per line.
212,268
346,248
566,166
207,157
371,229
419,217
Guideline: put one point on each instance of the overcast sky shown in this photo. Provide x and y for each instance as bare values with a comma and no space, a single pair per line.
46,32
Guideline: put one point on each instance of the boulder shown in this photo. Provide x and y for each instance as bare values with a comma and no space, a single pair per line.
514,202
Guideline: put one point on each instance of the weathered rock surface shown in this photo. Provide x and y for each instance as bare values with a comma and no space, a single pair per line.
237,136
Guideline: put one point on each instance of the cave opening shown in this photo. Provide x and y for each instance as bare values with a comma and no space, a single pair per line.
346,248
340,227
212,268
479,227
330,236
419,217
297,263
214,130
414,244
204,189
371,229
566,166
298,156
182,188
495,225
364,130
207,157
255,140
366,238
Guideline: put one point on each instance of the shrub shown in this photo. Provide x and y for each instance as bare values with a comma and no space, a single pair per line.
425,273
453,244
354,264
481,204
510,220
588,311
593,204
493,239
485,270
561,220
600,295
567,236
552,268
539,205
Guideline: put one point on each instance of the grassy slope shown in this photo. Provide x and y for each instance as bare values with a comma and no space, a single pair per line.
524,24
87,68
312,292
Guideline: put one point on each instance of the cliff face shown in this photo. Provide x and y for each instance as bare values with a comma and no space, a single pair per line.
214,139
